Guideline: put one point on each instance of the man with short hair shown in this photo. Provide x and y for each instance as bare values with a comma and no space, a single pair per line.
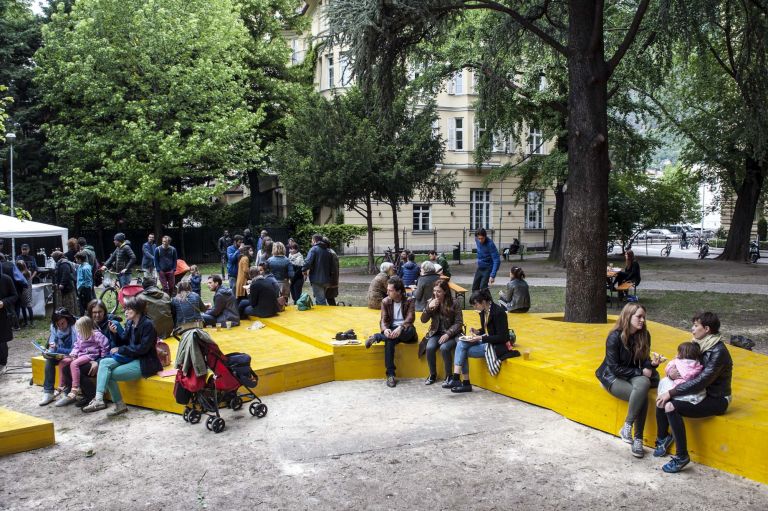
488,261
29,260
165,261
158,307
317,266
248,238
148,255
262,297
262,235
90,256
122,258
224,242
397,316
233,252
224,307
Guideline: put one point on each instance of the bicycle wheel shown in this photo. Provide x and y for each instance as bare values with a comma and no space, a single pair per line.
377,262
109,297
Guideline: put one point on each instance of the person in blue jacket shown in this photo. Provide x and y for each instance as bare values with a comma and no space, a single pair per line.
488,261
233,256
409,272
60,342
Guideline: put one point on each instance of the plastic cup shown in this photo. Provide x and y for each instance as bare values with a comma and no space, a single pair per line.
526,354
229,324
218,327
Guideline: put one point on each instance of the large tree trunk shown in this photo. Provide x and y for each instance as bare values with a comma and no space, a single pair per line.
556,252
369,224
588,166
254,212
395,226
747,197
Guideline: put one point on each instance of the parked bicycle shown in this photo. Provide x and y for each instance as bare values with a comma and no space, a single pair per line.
113,295
389,256
667,249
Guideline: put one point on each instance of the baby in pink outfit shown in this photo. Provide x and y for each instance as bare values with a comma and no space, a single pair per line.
688,367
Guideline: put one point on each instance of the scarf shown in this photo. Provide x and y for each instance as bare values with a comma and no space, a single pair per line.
708,342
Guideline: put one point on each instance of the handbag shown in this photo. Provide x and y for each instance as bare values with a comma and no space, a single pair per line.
163,352
121,359
304,302
512,339
491,360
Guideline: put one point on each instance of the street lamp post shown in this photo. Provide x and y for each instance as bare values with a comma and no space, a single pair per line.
11,138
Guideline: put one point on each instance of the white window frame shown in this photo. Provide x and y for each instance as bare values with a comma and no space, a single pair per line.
534,210
330,71
480,203
535,141
455,133
346,69
422,218
435,128
456,83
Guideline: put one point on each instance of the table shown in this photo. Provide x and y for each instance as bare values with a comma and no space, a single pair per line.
42,294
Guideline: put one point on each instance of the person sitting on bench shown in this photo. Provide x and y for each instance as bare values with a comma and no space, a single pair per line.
515,297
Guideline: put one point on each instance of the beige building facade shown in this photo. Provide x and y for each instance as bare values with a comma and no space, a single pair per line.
491,205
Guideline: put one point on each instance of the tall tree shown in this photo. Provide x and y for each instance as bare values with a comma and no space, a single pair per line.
717,102
382,33
148,102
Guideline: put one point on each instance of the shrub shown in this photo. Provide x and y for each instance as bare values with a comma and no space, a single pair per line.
340,235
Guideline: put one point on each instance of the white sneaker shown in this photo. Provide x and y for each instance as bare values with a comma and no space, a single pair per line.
47,398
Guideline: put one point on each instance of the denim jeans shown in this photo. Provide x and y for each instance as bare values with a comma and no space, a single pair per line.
482,275
407,335
464,350
124,279
111,371
446,351
232,282
50,374
318,290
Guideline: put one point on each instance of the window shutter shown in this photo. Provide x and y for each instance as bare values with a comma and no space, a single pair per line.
476,136
451,133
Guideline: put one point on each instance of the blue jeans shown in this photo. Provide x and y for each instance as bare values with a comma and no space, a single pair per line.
232,281
111,371
407,335
482,275
445,352
50,374
124,279
464,350
318,290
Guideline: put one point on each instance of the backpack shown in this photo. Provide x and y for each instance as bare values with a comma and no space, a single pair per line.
17,276
304,302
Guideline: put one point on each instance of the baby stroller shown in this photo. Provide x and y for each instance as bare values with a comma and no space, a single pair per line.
206,394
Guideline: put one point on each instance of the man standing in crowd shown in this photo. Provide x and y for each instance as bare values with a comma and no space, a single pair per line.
248,239
318,266
122,258
233,251
148,255
165,262
487,261
8,299
29,260
264,234
90,257
224,242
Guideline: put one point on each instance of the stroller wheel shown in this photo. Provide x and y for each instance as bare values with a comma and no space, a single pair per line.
258,410
209,422
186,414
236,403
218,424
194,416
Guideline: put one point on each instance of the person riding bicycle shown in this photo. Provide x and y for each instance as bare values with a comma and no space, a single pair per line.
123,259
683,240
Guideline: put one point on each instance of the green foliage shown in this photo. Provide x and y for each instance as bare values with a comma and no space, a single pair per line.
762,228
299,216
147,101
637,202
221,216
340,235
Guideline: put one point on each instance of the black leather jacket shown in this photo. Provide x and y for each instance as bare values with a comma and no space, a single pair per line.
716,376
619,362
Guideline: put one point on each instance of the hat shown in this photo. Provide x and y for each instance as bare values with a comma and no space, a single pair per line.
119,237
63,312
24,246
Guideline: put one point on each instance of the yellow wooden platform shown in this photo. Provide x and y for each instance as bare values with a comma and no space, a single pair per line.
20,432
295,350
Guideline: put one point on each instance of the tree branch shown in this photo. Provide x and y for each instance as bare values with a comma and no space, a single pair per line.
629,37
520,19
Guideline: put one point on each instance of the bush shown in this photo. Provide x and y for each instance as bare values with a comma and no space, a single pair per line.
339,235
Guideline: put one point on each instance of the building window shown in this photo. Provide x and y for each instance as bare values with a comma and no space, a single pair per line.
535,142
534,210
422,220
435,128
297,56
331,78
456,133
480,209
456,85
496,141
346,70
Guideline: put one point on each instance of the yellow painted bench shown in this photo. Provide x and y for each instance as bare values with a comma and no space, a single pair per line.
20,432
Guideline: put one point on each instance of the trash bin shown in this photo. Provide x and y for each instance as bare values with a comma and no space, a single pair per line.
457,252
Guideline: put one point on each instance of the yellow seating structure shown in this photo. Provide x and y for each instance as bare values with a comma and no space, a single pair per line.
20,432
296,350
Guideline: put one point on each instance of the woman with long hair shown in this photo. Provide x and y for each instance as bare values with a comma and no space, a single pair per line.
627,371
447,322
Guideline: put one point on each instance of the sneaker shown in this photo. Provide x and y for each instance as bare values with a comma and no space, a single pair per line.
662,446
430,379
370,341
66,399
626,432
47,399
94,406
391,382
3,370
119,409
637,448
82,402
676,464
464,387
450,384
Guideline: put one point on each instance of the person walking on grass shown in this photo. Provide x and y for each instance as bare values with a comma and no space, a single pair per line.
488,261
165,262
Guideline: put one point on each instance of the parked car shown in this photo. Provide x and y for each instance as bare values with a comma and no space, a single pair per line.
678,229
656,234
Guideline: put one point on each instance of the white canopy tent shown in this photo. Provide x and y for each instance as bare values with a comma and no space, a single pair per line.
11,227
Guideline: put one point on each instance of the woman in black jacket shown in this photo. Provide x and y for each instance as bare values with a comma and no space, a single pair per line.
135,356
627,370
715,378
64,283
494,330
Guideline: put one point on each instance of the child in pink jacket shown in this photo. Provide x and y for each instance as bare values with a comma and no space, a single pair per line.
90,346
688,366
